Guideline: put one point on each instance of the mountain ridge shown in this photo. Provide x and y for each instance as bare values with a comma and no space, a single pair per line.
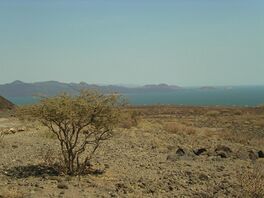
22,89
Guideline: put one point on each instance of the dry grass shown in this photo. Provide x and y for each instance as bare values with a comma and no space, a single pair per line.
252,182
45,133
245,138
2,135
12,193
213,113
175,127
51,158
128,119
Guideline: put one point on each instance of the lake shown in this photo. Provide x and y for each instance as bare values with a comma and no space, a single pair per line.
236,96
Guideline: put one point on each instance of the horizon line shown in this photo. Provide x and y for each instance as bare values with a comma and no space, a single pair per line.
129,85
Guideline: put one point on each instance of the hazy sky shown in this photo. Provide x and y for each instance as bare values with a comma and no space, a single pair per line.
182,42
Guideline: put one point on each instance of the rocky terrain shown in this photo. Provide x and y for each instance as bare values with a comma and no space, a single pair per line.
163,151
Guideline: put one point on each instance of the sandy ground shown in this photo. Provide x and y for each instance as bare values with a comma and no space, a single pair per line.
171,152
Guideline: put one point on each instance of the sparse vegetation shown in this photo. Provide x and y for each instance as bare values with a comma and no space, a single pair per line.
12,193
175,127
213,113
128,119
252,182
80,123
161,152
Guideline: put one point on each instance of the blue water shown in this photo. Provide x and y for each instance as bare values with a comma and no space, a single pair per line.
239,96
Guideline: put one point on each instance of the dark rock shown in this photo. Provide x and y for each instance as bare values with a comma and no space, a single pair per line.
203,177
180,152
220,168
261,154
199,151
223,151
123,188
106,165
170,187
112,194
223,148
21,129
175,156
252,155
222,154
62,186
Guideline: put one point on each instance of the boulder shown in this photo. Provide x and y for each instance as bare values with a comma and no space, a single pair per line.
252,155
222,154
180,152
223,148
223,151
199,151
260,154
21,129
62,186
12,130
203,177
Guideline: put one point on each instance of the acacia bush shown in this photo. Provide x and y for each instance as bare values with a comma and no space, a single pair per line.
80,123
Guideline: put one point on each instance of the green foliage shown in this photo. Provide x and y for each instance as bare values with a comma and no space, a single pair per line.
80,123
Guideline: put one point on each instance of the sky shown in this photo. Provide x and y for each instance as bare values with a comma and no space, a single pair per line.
133,42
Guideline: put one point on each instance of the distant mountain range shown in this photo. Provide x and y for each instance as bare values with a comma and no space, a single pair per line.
49,88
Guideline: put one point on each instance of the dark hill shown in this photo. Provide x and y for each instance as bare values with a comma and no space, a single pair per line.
5,104
50,88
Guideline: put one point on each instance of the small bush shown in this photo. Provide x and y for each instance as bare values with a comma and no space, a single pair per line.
80,124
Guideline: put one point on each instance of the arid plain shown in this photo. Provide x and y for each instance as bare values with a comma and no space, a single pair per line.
156,151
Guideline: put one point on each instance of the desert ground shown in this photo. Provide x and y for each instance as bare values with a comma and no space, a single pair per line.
156,151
